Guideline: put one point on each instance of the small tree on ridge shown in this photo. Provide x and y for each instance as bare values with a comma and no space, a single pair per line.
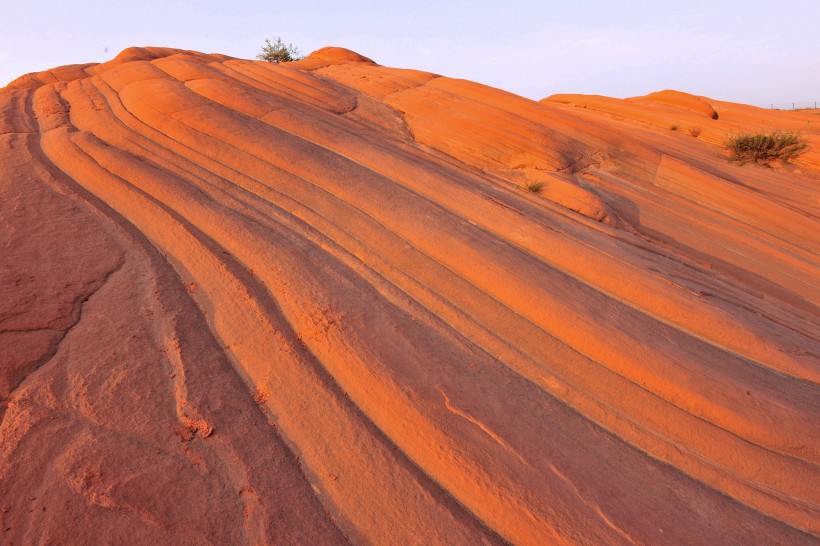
278,52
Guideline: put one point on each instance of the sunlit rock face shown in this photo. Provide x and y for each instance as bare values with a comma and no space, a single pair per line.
246,303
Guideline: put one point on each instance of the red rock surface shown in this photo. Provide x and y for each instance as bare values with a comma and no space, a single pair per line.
244,303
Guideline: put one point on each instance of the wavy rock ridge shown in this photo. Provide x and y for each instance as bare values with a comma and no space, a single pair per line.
247,303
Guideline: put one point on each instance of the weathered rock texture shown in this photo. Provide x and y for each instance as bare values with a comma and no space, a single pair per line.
244,303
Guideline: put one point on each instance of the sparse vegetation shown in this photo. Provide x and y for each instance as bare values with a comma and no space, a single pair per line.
694,131
278,52
533,186
673,127
763,148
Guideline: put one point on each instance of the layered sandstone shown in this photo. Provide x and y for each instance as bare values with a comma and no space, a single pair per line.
246,303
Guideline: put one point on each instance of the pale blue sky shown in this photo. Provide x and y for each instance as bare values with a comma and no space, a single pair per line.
745,51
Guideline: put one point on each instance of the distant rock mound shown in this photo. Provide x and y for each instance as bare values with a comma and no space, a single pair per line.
573,99
60,74
338,54
128,55
678,99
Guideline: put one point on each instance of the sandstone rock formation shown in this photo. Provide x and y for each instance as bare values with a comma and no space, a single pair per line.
245,303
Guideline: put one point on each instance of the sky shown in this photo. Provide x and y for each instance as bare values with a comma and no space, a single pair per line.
748,51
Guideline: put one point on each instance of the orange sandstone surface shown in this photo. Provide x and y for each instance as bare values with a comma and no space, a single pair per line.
246,303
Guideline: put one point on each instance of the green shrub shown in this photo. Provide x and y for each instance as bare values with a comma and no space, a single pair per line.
533,187
766,147
278,52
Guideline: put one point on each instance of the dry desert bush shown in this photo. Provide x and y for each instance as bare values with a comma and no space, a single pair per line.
533,187
278,52
763,147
